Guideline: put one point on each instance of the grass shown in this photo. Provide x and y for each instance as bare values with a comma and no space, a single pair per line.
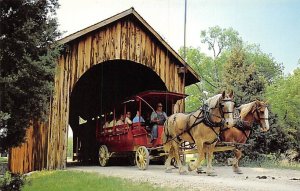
268,161
3,159
71,180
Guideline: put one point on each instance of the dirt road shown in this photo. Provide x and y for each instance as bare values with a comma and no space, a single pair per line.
253,178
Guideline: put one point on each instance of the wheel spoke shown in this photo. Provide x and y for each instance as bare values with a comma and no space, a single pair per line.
103,155
142,158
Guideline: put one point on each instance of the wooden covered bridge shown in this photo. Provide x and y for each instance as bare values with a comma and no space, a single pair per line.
100,65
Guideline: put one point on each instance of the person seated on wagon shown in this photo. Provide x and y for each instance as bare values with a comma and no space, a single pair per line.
138,118
112,123
121,120
158,117
106,124
127,119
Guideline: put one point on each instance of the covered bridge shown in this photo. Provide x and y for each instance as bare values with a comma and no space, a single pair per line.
100,65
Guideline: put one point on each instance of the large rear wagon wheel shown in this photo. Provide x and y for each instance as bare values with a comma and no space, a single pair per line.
142,158
103,155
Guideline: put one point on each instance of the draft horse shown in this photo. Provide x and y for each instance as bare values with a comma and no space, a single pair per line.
252,113
201,128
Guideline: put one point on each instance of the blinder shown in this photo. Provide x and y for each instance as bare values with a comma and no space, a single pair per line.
257,113
222,106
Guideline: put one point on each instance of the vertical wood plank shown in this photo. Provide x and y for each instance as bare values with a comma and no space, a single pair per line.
118,41
101,44
138,44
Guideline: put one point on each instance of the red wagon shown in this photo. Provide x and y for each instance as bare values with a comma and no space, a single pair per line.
133,141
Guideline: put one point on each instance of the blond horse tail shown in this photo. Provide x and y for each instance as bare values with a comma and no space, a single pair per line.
165,132
165,137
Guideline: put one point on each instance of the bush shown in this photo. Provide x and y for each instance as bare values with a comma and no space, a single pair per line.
11,182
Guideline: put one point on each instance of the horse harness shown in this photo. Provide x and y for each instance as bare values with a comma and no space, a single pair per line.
205,118
245,125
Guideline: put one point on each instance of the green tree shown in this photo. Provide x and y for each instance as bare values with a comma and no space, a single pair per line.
284,97
203,65
265,63
209,68
242,76
219,39
249,83
27,57
249,71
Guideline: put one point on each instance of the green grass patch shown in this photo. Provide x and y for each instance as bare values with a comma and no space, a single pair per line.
3,159
271,160
271,163
73,180
264,161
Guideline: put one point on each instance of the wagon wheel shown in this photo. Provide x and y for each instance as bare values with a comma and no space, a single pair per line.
103,155
142,158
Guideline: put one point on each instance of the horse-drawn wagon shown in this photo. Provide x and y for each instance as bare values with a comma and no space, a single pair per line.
133,140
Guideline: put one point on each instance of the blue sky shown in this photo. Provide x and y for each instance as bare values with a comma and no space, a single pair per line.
274,24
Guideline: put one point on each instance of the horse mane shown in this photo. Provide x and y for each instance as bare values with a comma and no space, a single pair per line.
213,101
246,108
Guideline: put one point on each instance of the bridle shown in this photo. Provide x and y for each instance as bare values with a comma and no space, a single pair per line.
257,112
220,124
221,111
247,126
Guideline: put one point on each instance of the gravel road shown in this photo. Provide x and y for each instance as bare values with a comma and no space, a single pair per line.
253,178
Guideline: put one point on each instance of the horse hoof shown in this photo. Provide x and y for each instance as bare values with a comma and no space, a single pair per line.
230,161
200,171
237,171
183,173
189,168
168,170
211,174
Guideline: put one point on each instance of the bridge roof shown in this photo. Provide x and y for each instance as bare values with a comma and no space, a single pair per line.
191,76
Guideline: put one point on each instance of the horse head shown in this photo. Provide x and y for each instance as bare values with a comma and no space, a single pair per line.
259,111
222,105
261,115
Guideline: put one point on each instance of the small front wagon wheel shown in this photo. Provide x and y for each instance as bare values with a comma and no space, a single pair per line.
142,158
103,155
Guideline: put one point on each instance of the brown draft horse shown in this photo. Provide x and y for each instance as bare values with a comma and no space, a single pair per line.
254,112
201,127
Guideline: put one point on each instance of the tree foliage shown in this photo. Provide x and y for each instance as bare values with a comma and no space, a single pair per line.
284,97
219,39
252,74
27,56
242,76
198,62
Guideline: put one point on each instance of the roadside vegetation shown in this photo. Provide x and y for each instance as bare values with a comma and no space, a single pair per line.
70,148
264,161
3,159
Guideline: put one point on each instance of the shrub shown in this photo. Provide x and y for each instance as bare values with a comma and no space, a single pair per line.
11,182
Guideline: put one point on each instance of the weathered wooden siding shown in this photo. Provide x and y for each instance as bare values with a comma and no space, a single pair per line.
33,153
124,40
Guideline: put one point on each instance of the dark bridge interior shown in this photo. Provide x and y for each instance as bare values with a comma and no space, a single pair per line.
99,89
